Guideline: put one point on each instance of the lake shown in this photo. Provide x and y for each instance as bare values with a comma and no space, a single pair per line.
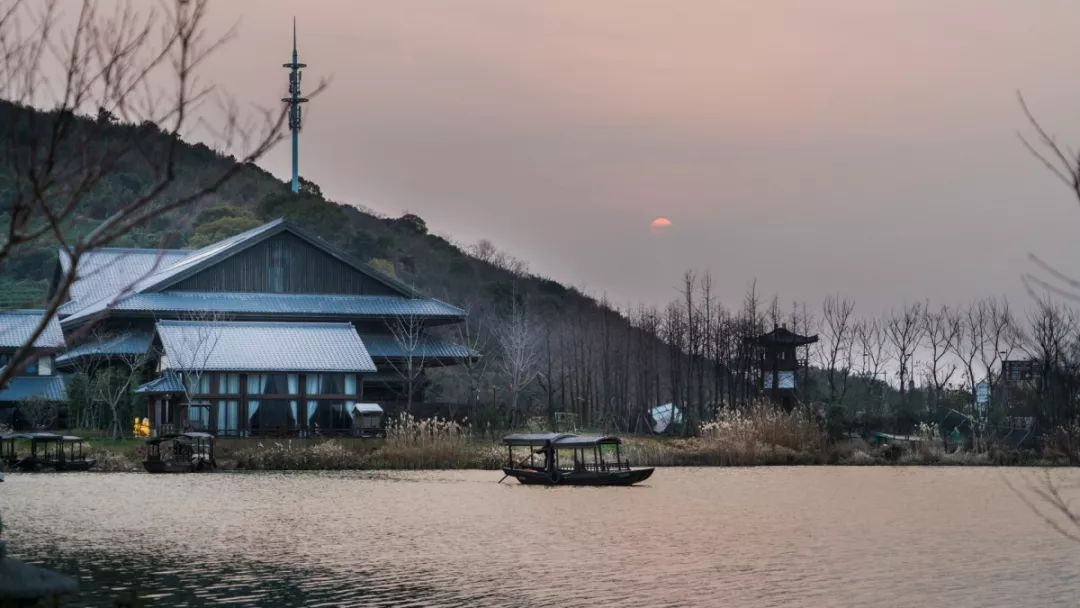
770,536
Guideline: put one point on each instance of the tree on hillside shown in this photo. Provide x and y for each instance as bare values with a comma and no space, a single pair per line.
132,67
904,332
474,334
940,328
836,346
408,333
518,339
875,356
221,222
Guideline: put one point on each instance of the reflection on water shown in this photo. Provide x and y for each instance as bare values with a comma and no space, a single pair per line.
734,537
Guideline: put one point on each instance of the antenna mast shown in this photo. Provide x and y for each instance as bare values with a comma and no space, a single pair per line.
294,100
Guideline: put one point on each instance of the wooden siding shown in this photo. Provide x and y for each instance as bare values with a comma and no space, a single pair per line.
284,264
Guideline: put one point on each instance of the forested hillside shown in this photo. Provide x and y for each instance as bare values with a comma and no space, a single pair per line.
553,321
548,348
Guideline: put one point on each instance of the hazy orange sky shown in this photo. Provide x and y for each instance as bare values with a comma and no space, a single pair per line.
861,147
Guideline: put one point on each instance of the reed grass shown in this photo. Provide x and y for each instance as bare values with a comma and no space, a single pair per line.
434,443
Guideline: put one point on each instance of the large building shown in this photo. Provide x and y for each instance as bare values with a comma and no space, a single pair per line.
269,332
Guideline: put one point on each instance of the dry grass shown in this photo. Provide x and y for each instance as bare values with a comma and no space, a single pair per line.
761,435
329,455
434,443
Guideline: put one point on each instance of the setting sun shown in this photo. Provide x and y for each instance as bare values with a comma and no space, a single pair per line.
660,225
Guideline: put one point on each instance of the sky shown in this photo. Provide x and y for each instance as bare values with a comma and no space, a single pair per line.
866,148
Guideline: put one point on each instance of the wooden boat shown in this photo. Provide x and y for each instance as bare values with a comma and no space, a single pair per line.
568,459
47,451
69,456
180,453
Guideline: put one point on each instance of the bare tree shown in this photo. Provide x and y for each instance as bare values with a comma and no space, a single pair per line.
131,65
836,346
940,329
408,333
872,344
968,340
1051,340
113,384
904,332
1000,337
473,334
39,413
1050,505
191,352
519,360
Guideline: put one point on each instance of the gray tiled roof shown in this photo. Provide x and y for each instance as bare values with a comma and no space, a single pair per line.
166,383
263,346
131,342
384,346
20,388
133,279
109,273
299,304
16,327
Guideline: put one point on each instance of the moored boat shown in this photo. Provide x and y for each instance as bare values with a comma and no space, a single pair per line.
180,453
47,451
568,459
68,455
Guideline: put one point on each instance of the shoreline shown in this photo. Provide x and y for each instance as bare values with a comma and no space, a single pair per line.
349,454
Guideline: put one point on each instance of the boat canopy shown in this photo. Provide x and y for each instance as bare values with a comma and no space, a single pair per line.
33,436
559,440
179,437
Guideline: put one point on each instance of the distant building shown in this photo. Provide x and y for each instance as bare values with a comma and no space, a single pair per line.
1018,372
778,363
273,331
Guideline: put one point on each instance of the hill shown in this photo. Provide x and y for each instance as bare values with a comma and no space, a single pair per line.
571,341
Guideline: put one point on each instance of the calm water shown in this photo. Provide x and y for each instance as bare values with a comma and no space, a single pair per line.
707,537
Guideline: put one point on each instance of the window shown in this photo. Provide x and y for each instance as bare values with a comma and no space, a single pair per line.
45,366
31,368
198,384
199,416
271,416
331,384
273,384
784,380
228,384
228,417
329,415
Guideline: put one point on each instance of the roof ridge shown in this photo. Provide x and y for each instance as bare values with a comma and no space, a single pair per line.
142,249
253,323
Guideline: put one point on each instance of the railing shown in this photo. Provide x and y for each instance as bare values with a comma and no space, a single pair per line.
598,467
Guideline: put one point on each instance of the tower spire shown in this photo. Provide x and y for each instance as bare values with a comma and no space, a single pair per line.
294,100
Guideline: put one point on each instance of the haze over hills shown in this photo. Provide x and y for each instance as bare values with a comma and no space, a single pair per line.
402,246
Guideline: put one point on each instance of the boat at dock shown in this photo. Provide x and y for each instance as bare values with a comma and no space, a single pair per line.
569,459
180,453
47,451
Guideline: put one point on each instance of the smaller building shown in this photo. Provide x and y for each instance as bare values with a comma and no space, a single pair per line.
776,353
37,380
1019,372
258,379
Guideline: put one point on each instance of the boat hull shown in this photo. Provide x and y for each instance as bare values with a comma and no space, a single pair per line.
75,465
584,478
159,466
